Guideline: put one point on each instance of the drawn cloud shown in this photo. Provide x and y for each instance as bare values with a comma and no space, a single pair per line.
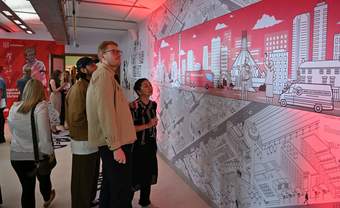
266,21
164,44
220,26
194,36
338,23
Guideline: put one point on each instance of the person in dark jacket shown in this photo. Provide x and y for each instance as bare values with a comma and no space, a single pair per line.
3,105
85,159
21,83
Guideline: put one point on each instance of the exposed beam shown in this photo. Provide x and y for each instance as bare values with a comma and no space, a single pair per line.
103,19
100,28
130,10
113,4
51,13
5,28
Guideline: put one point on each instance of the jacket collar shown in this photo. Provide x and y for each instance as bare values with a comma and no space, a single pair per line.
107,67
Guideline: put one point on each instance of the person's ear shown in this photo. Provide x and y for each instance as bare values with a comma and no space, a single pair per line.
83,70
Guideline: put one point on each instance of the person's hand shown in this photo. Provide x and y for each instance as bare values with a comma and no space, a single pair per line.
153,122
119,156
63,84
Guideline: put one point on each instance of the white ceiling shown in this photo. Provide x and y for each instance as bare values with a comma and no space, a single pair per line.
113,17
54,19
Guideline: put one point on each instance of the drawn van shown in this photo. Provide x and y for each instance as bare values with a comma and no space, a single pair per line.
316,96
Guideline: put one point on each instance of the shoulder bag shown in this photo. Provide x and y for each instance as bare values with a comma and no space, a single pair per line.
48,162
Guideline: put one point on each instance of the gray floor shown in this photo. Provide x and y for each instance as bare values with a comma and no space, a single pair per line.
170,192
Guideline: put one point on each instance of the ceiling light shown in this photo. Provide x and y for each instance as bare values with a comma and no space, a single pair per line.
13,17
17,22
7,13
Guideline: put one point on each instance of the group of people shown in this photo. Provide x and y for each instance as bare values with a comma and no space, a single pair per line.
102,125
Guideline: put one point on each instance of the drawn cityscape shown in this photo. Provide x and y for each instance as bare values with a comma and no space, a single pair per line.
296,64
247,154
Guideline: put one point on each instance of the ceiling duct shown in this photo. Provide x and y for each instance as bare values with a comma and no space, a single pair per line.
51,13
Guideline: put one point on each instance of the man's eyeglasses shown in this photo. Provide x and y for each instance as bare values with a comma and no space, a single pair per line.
115,51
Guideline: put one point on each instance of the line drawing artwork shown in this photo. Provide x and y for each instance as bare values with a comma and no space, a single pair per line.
299,48
246,154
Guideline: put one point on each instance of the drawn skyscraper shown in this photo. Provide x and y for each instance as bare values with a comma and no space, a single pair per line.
216,59
205,58
336,47
320,32
190,60
280,64
301,29
224,59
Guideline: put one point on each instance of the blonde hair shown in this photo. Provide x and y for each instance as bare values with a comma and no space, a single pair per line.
102,47
33,94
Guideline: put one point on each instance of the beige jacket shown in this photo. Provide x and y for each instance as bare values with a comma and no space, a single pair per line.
109,118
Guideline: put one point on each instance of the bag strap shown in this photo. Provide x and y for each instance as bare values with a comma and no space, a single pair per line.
34,137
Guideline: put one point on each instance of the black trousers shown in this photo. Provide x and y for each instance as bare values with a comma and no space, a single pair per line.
84,180
144,195
27,177
0,196
2,126
116,188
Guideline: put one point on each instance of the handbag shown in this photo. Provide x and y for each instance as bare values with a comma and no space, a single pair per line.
44,166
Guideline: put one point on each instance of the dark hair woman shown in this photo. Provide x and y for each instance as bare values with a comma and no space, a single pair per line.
145,169
55,89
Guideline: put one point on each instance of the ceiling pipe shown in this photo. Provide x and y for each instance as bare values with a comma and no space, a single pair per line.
75,44
113,4
51,13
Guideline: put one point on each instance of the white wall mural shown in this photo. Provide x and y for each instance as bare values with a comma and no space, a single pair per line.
223,87
257,53
246,154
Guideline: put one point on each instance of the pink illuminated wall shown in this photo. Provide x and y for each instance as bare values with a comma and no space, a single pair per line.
12,61
229,138
298,39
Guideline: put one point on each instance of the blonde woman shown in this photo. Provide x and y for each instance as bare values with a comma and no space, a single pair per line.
22,152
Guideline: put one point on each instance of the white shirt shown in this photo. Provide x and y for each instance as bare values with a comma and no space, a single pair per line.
82,148
20,127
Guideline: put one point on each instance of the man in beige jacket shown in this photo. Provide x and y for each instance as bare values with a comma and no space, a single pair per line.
111,128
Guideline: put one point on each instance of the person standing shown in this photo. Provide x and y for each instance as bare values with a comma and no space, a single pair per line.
144,169
3,104
22,82
270,78
22,151
65,81
56,88
111,128
85,159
